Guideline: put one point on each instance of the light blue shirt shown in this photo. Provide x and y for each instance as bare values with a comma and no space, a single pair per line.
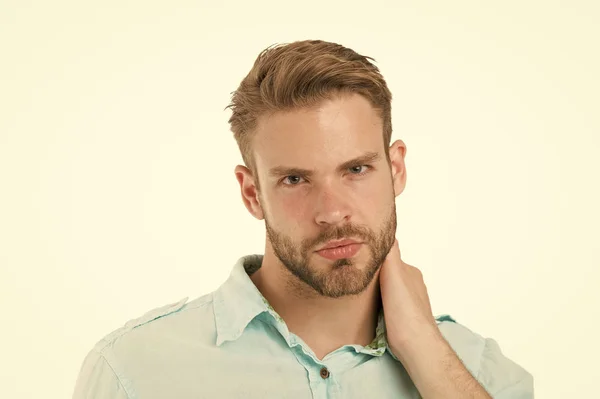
231,344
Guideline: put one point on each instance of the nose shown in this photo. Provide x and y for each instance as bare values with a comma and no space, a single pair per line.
332,207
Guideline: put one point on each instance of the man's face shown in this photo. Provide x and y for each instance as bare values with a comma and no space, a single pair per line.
311,194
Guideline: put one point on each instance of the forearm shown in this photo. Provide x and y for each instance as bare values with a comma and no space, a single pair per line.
437,372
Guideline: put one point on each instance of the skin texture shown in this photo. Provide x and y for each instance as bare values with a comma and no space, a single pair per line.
328,304
349,276
317,196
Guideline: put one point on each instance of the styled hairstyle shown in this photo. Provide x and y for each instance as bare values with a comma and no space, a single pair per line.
301,75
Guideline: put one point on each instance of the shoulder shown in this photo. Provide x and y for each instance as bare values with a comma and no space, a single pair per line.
467,344
136,346
484,359
169,317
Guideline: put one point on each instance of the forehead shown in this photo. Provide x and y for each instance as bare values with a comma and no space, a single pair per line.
322,136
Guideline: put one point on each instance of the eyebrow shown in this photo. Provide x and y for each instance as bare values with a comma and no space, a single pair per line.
282,171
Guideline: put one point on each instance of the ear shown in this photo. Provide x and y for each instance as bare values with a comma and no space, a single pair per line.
398,168
250,194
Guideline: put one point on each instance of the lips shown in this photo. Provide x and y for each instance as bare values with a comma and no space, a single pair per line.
341,250
339,243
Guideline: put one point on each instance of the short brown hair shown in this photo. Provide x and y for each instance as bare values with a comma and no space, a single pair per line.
299,75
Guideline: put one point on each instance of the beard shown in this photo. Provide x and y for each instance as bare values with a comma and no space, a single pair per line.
345,276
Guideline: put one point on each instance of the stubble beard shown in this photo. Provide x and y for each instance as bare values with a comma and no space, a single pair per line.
345,276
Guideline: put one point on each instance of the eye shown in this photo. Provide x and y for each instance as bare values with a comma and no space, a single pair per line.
293,179
356,170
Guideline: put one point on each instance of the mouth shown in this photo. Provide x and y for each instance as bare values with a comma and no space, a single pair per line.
340,252
339,243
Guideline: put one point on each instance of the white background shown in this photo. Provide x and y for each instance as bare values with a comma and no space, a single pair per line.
117,185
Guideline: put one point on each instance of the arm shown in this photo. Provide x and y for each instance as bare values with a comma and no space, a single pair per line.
436,370
415,339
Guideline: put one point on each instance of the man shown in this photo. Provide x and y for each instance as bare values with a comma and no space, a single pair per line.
306,319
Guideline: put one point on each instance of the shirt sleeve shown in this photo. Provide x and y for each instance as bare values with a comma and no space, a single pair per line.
503,378
98,380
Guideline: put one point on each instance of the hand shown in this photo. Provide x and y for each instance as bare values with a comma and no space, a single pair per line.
408,316
414,337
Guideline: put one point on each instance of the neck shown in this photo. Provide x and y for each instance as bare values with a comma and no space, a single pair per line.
324,324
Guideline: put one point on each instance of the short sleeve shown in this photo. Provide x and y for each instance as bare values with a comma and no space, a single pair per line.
98,380
503,378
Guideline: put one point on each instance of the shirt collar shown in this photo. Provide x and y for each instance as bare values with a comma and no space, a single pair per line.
237,302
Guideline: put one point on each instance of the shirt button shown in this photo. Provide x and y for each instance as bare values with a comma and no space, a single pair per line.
324,373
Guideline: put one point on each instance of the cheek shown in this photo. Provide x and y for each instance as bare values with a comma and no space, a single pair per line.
293,207
373,195
376,202
289,208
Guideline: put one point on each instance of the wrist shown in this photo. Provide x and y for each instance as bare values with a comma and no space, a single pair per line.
426,347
